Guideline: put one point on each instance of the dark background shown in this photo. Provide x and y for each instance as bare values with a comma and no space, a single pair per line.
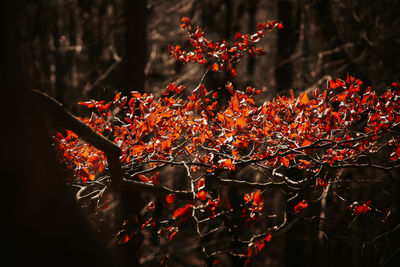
80,49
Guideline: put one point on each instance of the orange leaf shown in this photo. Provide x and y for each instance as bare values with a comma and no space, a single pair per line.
88,104
235,103
92,177
135,94
172,235
306,143
227,163
305,162
201,195
229,87
124,240
117,97
215,67
342,96
304,99
166,144
258,197
220,117
241,122
285,161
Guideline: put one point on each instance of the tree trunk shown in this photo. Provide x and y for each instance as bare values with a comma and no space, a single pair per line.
289,14
134,61
42,222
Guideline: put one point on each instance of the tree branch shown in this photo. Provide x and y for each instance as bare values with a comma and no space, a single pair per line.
62,117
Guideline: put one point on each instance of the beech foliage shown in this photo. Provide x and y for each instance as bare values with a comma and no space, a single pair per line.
298,145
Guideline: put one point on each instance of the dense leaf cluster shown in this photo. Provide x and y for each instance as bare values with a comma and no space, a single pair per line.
345,126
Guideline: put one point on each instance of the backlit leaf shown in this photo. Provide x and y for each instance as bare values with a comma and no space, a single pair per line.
300,206
235,103
170,198
183,210
143,178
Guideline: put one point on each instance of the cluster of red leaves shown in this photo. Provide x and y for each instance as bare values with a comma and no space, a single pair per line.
220,55
256,201
280,133
256,247
283,132
82,159
357,208
335,127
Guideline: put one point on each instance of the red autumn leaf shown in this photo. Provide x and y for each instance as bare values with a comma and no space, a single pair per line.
306,143
183,210
220,117
303,100
233,72
215,67
227,163
364,208
322,183
84,174
166,144
201,195
342,96
136,94
201,184
170,198
335,84
229,87
285,161
305,162
117,97
260,245
172,235
235,103
240,122
88,104
143,178
125,239
268,238
258,197
155,179
300,206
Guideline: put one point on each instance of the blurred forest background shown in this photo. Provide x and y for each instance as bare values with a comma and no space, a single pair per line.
80,49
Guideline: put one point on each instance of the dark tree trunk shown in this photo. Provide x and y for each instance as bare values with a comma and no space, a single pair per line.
289,14
134,61
133,79
42,223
